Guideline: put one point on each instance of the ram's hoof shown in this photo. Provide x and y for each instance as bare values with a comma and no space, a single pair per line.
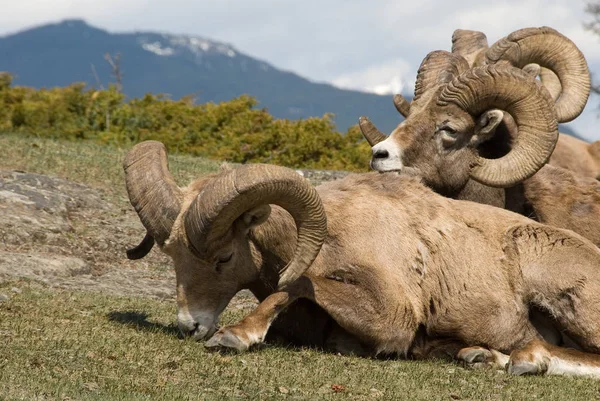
519,368
225,340
479,357
474,355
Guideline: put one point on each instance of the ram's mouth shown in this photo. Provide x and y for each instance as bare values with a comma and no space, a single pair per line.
203,333
384,167
404,171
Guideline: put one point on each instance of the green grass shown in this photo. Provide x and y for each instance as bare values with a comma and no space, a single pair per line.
64,345
71,345
86,162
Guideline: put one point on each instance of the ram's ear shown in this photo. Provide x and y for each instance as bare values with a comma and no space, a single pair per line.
255,216
486,125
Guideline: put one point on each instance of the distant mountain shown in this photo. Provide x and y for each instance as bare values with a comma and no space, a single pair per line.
178,65
63,53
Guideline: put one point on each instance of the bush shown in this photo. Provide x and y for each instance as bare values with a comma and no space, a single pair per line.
235,130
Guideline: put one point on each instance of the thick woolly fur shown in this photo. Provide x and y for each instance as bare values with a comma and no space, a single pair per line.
402,270
578,156
569,177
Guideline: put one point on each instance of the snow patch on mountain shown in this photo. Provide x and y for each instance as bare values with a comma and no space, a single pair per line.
168,45
156,48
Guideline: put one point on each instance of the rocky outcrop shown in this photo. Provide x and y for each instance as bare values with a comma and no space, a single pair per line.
66,234
35,207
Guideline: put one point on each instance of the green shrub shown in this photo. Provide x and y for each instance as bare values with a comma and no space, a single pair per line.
235,130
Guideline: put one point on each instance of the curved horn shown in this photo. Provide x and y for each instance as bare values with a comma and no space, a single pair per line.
370,132
510,89
142,249
547,77
470,45
437,68
532,69
226,198
550,49
551,82
402,105
152,192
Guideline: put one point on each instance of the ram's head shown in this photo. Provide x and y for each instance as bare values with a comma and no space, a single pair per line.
469,105
206,229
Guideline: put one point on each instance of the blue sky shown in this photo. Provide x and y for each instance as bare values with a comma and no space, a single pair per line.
373,46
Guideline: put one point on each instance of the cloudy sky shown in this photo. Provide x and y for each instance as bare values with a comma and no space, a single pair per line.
373,46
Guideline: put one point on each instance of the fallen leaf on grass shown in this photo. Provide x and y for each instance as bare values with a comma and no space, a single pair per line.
338,388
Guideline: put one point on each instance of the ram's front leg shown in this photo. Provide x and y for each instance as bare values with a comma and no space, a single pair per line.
373,314
253,328
540,357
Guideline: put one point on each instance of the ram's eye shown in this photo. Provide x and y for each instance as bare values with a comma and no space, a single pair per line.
451,132
448,135
223,260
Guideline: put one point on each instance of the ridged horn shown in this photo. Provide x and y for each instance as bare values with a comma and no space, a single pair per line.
510,89
142,249
402,105
550,49
224,199
370,132
152,192
547,77
532,69
551,82
437,68
469,44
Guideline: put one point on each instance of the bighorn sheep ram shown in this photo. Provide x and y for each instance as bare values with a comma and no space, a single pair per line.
454,140
563,56
393,266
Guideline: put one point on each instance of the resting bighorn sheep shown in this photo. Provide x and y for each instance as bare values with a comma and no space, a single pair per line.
562,55
454,140
396,267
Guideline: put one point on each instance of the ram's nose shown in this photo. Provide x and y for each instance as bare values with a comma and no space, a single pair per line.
380,154
198,325
386,157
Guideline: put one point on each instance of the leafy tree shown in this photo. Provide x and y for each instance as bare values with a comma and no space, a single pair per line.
234,130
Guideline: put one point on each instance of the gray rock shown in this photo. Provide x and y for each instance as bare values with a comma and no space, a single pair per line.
32,266
36,208
317,177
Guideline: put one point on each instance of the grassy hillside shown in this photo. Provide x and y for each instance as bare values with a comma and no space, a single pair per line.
86,161
76,344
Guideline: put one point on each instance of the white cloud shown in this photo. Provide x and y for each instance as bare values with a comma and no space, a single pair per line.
395,76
